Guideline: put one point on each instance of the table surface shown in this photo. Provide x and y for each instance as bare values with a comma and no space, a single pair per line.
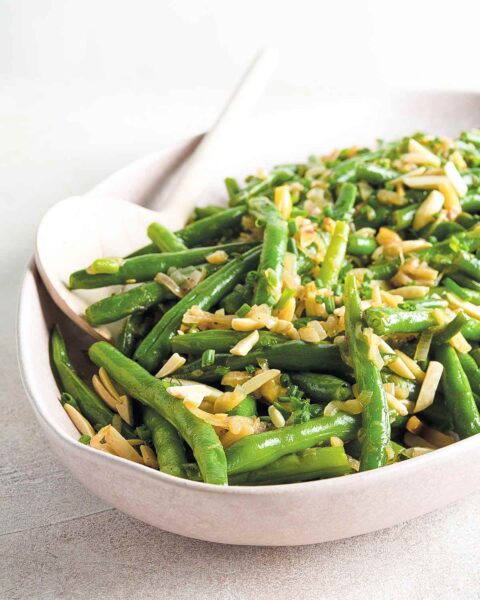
56,539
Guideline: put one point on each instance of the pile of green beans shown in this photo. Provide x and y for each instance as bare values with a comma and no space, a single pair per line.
349,284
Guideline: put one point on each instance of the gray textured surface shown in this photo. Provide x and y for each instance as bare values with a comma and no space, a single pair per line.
57,540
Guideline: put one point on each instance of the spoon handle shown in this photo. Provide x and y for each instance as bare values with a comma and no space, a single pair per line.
196,175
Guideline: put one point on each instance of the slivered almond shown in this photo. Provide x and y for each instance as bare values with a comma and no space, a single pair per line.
79,420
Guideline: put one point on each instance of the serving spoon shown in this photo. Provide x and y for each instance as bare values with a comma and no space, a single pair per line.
79,229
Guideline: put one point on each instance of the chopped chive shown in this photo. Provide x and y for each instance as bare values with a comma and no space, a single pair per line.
243,310
284,298
292,227
329,304
292,246
84,439
208,358
221,371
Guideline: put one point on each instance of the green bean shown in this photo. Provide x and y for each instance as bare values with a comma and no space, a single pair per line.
270,268
384,270
145,267
212,227
360,245
151,392
164,239
171,455
260,187
91,406
471,330
157,344
290,356
240,295
246,408
471,202
375,422
446,332
463,293
465,281
219,340
313,463
343,207
232,188
335,255
467,264
137,299
203,230
402,218
471,370
372,214
202,212
437,415
384,320
375,174
133,329
322,388
257,451
458,393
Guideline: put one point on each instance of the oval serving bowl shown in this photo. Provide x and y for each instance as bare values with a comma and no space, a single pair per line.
303,513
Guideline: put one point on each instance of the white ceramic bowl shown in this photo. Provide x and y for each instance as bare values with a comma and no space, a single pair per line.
303,513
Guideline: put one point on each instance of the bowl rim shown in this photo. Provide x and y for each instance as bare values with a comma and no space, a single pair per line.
343,484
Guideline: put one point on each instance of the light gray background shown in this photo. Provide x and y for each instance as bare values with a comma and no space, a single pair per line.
86,87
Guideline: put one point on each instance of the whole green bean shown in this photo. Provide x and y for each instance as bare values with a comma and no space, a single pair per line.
256,451
164,239
220,340
212,227
157,344
343,208
458,393
171,454
322,387
91,406
290,356
375,421
203,230
384,320
313,463
137,299
151,392
270,269
145,267
335,255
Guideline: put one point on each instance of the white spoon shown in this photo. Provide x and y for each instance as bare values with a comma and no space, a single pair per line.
80,229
